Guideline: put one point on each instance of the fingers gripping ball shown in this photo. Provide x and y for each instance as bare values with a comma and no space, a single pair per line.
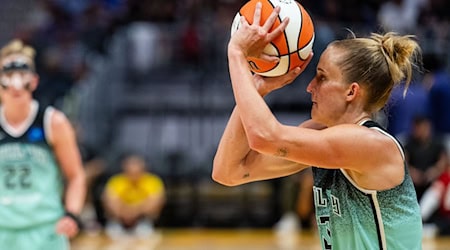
293,46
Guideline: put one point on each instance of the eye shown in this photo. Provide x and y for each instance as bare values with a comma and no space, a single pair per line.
320,78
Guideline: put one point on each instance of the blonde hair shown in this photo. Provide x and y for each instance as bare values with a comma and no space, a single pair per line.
16,46
379,63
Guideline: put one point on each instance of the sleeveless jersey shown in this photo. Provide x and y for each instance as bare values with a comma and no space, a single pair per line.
350,217
30,179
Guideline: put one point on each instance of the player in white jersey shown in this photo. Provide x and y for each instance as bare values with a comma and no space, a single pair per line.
364,196
42,185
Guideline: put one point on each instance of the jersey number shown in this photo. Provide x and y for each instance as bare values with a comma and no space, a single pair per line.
17,177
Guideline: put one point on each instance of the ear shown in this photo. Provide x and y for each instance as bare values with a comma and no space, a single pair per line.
353,91
34,82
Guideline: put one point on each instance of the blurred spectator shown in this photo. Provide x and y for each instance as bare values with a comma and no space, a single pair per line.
297,203
400,15
437,10
190,42
287,194
425,155
146,50
437,80
305,201
435,205
133,199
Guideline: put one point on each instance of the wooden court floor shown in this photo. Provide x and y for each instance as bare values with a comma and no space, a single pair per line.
207,239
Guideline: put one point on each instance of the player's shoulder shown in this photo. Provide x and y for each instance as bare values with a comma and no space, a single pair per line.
55,115
58,123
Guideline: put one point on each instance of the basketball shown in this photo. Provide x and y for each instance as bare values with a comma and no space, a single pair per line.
293,46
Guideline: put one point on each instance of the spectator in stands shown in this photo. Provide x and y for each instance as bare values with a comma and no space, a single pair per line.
437,80
425,154
435,204
400,16
133,199
298,203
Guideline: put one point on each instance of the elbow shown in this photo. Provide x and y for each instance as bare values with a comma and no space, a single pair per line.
222,180
223,173
259,140
220,176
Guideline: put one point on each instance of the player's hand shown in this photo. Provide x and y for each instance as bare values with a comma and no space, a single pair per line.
67,226
251,39
265,85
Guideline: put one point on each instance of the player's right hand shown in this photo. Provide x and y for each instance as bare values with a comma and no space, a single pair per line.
265,85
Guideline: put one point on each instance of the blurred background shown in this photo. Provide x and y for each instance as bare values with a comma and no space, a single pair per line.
151,77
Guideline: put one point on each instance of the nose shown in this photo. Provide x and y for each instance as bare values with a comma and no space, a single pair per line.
310,86
16,81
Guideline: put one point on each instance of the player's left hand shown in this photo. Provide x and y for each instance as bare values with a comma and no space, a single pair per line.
67,226
251,39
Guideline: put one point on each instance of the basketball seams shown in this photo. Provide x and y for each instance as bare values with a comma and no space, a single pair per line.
284,31
304,48
301,27
284,34
277,71
294,27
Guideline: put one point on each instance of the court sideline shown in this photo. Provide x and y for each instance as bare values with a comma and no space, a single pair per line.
209,239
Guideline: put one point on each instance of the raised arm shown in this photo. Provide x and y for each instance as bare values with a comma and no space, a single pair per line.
235,163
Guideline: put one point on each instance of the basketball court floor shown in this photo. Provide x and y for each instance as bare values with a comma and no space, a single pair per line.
207,239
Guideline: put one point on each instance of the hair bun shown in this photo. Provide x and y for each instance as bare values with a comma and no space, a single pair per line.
400,52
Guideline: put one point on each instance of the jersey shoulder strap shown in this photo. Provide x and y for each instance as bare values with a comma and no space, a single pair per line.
376,125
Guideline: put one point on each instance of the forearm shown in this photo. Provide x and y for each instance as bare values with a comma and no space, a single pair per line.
260,125
75,194
255,115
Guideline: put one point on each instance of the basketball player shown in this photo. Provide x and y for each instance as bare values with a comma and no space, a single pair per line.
38,155
364,197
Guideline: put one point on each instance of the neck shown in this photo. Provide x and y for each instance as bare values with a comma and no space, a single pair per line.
350,118
16,114
362,118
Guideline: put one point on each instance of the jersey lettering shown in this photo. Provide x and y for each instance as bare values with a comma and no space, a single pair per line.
319,200
335,205
326,239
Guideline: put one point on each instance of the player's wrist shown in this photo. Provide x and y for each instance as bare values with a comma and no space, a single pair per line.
75,218
235,51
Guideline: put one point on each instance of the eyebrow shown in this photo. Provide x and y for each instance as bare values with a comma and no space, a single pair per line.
321,70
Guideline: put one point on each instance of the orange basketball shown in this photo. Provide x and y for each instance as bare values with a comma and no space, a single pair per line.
292,47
